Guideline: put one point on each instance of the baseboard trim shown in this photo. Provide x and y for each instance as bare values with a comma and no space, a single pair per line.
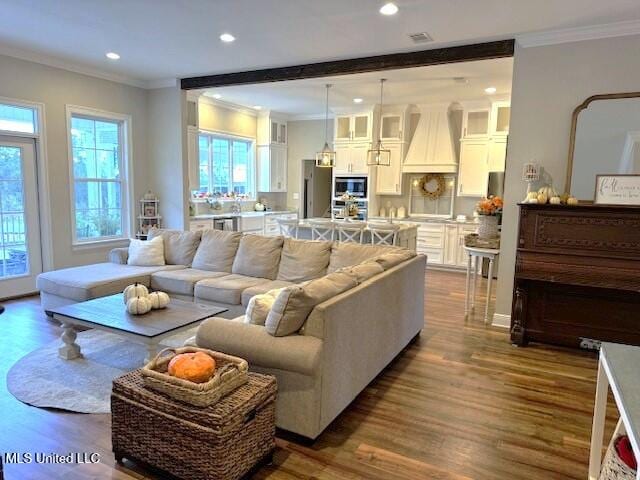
501,320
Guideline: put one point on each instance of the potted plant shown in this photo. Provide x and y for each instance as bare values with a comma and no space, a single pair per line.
488,210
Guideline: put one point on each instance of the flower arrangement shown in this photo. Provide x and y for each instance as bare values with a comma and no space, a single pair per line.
491,206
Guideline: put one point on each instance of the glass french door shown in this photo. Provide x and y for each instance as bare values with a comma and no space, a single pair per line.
20,250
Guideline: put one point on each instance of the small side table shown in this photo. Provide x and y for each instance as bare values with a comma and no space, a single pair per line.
475,254
618,369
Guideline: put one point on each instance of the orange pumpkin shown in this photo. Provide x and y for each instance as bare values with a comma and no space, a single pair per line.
196,367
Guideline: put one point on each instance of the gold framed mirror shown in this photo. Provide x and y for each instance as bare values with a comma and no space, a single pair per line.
605,139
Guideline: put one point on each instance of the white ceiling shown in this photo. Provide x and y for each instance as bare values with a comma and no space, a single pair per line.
300,98
161,39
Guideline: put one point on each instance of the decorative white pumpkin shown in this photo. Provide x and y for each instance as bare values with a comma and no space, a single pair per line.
138,305
555,200
572,201
133,291
549,191
158,300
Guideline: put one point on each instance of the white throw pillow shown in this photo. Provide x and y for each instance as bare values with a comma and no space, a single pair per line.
259,307
146,253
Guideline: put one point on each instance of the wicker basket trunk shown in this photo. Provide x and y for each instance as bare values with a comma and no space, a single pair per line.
224,441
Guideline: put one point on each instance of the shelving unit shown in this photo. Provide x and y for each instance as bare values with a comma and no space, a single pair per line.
149,216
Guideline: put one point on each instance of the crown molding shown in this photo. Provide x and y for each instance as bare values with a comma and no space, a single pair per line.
310,116
54,62
228,105
162,83
579,34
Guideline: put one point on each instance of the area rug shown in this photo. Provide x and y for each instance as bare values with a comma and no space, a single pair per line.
43,379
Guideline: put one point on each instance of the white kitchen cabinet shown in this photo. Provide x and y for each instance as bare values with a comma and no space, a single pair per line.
475,122
272,168
463,229
200,225
497,154
251,223
392,127
353,127
443,243
473,172
271,129
351,158
389,178
192,158
451,245
271,226
500,117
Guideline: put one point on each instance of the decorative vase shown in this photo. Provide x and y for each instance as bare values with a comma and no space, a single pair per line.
487,226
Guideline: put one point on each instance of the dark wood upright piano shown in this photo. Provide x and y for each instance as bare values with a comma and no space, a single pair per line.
577,275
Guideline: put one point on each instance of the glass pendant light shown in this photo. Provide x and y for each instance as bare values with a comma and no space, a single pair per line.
378,156
326,158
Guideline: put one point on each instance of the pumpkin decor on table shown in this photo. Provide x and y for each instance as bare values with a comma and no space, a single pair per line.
138,305
158,300
133,291
196,367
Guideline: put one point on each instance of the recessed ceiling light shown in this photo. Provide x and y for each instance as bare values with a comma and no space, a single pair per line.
216,96
227,37
357,100
112,56
257,107
389,9
490,90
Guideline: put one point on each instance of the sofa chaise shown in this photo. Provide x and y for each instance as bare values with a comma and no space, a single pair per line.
341,341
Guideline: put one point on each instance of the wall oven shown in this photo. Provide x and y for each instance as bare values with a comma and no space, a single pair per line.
356,186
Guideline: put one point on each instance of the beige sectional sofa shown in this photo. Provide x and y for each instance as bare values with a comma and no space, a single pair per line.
343,343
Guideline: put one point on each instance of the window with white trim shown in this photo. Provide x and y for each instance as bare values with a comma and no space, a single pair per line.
98,169
227,165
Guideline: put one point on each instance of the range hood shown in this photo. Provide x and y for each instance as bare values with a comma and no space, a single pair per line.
431,149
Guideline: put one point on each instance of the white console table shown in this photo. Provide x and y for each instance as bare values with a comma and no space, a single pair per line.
618,368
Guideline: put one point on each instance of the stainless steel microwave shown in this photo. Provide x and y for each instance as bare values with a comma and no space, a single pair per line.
356,186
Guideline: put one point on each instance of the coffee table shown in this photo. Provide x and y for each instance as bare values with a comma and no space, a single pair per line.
110,315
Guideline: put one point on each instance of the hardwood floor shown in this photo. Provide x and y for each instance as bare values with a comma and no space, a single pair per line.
460,403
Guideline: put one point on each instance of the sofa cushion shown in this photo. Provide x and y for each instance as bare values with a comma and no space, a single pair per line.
217,250
295,353
258,256
146,253
262,288
391,259
179,246
294,304
227,289
345,254
259,307
364,271
303,260
182,281
98,280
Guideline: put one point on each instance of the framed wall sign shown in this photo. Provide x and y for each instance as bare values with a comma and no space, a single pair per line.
617,189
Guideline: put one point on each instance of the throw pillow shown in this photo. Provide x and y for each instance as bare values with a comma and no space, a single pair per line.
294,304
258,256
259,307
363,271
146,253
345,254
217,250
389,260
303,260
179,246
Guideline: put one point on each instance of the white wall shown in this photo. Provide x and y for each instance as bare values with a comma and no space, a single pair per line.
167,142
305,138
549,82
56,88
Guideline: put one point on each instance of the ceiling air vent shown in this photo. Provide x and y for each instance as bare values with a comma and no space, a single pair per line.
422,37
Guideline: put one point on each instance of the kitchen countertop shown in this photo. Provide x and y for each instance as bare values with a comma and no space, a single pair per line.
426,220
213,216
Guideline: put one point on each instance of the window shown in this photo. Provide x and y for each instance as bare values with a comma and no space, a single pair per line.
226,165
18,119
98,157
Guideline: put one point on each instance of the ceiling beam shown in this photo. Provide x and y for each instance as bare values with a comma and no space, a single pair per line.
393,61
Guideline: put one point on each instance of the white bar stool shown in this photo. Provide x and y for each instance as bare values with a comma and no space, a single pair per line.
350,231
322,230
383,233
288,227
473,265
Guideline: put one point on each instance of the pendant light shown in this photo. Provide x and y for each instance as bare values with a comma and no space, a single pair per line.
326,158
378,156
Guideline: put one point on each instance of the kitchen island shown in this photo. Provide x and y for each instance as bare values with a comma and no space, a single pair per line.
406,238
